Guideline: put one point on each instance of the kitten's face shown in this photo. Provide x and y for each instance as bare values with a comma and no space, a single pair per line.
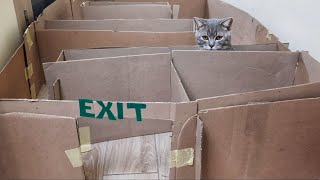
213,34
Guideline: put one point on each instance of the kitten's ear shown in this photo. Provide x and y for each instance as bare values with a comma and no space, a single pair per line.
227,23
199,22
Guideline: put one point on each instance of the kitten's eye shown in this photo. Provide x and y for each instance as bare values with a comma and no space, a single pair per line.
205,37
219,37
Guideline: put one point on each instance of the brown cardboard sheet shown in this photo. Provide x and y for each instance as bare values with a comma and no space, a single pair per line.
144,78
13,80
33,147
277,140
253,33
35,69
269,95
308,70
154,25
52,42
188,8
221,73
77,54
144,11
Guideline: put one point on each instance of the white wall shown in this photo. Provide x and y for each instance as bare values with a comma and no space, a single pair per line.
9,31
293,21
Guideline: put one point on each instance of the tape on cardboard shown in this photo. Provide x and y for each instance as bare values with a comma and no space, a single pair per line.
269,35
30,71
26,74
85,139
28,39
181,158
74,156
33,91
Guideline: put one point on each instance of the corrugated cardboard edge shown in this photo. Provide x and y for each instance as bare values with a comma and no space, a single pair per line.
34,66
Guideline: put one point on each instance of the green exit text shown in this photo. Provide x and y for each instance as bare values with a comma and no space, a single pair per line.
86,104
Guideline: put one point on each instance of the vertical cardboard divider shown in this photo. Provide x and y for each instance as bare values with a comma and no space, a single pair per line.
175,11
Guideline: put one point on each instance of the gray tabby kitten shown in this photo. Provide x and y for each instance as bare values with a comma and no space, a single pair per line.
213,34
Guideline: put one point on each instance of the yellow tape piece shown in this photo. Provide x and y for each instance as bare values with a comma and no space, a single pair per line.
30,71
74,156
26,74
33,91
28,39
85,139
181,158
269,36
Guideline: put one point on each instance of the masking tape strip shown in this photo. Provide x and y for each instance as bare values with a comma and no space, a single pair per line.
85,139
181,158
74,156
26,74
33,91
30,71
269,35
28,39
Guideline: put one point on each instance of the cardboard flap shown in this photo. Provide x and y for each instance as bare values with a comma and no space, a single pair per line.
308,70
125,128
41,141
221,73
145,11
14,78
255,141
146,25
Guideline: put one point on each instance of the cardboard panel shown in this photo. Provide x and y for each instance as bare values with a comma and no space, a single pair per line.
108,3
253,33
308,70
13,80
70,55
126,12
52,42
154,25
29,150
262,141
35,69
132,78
270,95
221,73
188,8
71,108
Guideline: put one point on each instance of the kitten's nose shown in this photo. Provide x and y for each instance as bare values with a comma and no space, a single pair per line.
211,46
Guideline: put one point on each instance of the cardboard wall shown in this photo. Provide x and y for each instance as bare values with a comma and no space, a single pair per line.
262,141
308,70
144,78
154,25
13,80
52,42
251,71
108,3
254,32
188,8
145,11
30,152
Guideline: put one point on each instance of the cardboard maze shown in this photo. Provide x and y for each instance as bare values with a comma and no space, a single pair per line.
159,107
